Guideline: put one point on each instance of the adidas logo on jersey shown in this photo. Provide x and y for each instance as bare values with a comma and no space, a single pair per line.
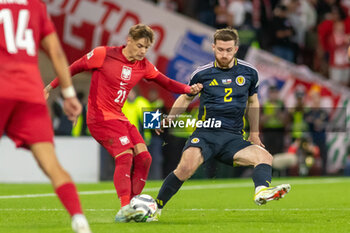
214,83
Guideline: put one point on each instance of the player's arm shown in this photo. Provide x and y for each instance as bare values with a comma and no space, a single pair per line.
52,47
253,118
177,87
153,74
92,60
180,105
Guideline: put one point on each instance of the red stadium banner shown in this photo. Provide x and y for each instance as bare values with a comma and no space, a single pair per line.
181,44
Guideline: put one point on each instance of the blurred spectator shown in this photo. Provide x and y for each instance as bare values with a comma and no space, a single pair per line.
169,5
308,155
80,127
339,68
222,16
301,159
188,7
345,4
237,10
133,109
282,33
347,166
62,125
303,18
324,8
57,111
317,119
273,119
262,19
282,161
205,11
333,36
242,19
297,123
155,147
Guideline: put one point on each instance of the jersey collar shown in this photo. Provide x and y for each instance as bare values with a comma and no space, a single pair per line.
234,63
121,55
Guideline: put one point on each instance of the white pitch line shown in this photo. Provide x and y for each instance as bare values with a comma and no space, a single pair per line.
189,210
193,187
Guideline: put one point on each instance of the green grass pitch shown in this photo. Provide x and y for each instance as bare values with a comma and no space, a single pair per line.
314,205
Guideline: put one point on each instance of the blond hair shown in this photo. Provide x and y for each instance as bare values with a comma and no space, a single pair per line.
139,31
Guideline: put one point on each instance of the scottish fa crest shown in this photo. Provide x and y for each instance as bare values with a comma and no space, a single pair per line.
151,120
126,73
240,80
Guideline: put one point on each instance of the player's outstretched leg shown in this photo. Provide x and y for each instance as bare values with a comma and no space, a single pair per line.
261,159
191,159
169,187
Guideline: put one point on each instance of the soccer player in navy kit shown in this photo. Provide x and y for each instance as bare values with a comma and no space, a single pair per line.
229,89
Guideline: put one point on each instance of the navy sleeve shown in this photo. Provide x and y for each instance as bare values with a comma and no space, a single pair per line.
253,89
194,79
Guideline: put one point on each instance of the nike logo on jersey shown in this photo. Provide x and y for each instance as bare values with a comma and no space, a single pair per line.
214,83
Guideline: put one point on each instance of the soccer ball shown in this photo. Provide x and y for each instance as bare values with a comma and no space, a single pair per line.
146,204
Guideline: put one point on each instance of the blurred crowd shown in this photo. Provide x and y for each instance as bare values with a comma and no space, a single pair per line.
295,136
314,33
310,32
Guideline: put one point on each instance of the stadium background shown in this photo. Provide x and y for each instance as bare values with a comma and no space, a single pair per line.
183,42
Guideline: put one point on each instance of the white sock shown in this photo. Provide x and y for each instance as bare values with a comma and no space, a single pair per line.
78,216
79,222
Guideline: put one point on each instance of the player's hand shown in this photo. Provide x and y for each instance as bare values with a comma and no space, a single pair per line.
196,88
72,108
47,90
161,130
254,138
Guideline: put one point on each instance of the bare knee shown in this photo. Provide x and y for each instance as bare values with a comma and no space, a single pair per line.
253,155
184,171
266,158
191,159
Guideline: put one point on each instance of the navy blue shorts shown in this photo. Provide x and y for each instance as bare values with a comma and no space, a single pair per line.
218,144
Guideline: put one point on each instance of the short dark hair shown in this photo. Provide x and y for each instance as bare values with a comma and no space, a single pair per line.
226,34
139,31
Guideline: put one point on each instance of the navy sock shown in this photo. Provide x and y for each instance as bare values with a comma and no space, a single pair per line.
262,175
170,186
